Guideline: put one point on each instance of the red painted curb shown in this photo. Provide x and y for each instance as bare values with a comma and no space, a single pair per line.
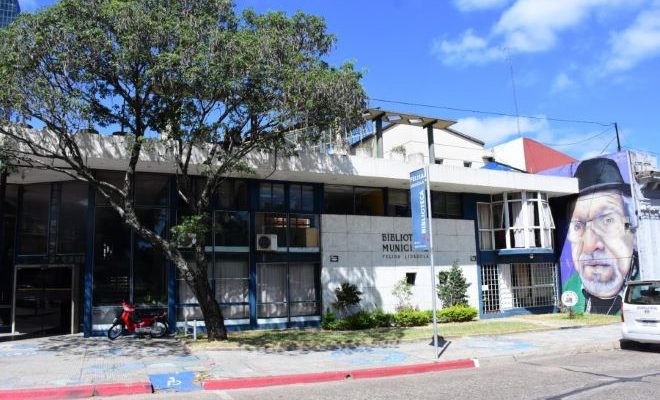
65,392
238,383
117,389
77,392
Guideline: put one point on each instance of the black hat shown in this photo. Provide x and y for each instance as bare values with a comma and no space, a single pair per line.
600,174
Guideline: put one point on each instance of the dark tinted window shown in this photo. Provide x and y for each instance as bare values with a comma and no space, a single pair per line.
149,264
446,205
233,194
114,178
648,293
301,197
232,228
152,190
338,199
72,226
112,246
271,196
398,203
34,219
369,201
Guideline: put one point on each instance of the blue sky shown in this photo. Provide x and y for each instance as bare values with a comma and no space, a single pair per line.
581,60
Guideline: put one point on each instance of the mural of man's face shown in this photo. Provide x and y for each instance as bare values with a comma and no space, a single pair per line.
601,242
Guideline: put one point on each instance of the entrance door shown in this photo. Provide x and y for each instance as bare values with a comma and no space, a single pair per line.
43,300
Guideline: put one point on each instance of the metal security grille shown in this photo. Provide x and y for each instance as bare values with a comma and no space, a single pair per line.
490,288
533,285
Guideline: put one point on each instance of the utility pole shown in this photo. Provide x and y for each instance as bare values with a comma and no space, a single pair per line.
618,141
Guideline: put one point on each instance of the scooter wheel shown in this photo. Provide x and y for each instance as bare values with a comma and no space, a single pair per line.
158,330
115,331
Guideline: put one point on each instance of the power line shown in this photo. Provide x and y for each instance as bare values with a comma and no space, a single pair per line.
607,145
581,141
490,112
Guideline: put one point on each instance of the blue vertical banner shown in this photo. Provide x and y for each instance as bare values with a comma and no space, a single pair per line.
419,208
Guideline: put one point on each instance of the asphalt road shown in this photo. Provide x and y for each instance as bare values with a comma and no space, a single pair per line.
615,374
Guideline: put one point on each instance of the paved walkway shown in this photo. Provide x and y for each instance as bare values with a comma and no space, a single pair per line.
73,360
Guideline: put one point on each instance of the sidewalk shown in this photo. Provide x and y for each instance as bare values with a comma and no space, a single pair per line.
104,367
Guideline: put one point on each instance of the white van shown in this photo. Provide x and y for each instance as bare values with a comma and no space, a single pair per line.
640,314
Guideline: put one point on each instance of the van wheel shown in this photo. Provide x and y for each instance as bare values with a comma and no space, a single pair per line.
627,344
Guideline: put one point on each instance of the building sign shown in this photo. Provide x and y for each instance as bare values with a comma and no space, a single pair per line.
419,207
399,245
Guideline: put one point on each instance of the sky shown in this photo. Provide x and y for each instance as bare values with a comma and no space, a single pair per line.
557,71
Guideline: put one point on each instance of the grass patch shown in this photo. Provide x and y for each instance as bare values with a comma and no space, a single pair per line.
578,318
292,339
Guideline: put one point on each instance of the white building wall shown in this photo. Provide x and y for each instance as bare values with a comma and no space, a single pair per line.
647,206
357,244
511,153
453,149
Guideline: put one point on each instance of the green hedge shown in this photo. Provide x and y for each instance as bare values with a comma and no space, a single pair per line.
457,313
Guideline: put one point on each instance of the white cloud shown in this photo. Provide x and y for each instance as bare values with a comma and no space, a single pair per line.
472,5
637,43
469,48
527,26
562,83
494,130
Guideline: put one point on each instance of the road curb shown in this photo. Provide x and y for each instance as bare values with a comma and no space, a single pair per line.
278,380
77,392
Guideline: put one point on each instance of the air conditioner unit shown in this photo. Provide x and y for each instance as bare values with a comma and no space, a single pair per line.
266,242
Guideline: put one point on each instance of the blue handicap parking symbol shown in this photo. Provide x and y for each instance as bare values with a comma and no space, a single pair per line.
179,382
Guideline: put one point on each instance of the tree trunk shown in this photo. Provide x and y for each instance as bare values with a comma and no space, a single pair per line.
197,278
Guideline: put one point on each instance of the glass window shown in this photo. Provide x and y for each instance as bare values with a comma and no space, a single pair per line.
338,199
304,232
275,224
7,245
152,190
114,178
303,290
233,194
231,277
485,226
149,263
271,196
232,229
112,246
369,201
398,203
34,219
72,226
301,197
446,205
272,290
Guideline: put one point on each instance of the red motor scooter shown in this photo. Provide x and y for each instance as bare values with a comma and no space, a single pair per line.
153,325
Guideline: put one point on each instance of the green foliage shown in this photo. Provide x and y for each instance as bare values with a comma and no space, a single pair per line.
348,296
382,319
329,321
402,291
409,317
190,229
452,289
457,313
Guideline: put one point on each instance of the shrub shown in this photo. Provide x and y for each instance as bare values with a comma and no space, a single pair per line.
329,321
409,317
452,289
357,321
457,313
382,319
348,296
402,291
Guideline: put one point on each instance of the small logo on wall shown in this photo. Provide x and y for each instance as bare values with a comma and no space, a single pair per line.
334,258
569,298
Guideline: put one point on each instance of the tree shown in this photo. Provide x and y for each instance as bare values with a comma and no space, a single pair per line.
402,291
216,86
452,286
348,296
